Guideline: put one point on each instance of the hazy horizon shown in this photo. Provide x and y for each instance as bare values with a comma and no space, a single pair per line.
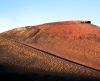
18,13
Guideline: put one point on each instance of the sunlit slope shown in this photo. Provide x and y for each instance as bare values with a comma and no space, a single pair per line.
78,41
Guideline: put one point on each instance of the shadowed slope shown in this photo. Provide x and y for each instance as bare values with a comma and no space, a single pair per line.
77,41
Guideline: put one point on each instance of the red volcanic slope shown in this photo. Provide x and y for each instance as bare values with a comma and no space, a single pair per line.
76,29
78,41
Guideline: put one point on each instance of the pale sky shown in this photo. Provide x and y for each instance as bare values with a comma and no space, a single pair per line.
18,13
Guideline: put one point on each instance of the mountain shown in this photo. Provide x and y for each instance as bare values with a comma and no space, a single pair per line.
67,48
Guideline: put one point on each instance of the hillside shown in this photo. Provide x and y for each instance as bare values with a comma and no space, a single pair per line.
68,50
78,41
18,57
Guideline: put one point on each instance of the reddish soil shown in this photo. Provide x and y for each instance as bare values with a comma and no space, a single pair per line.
77,41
